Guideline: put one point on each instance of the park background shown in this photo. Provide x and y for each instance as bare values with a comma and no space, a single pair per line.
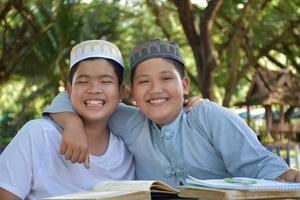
224,44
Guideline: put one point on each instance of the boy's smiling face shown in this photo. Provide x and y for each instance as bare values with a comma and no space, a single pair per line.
94,91
158,90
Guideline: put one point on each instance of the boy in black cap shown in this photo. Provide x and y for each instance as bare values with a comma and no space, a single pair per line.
168,143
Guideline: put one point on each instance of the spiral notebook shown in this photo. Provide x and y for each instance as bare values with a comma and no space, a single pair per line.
246,184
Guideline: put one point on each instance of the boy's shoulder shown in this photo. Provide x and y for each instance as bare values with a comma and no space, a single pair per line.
205,106
209,109
43,125
40,122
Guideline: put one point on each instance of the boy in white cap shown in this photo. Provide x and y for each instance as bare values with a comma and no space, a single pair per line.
168,143
31,166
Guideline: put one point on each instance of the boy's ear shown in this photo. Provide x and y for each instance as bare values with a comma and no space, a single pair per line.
69,89
126,95
131,92
122,92
186,86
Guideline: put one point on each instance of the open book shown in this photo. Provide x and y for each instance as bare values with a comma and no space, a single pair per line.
123,190
195,188
239,188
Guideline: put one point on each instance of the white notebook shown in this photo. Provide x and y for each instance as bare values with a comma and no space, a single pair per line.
242,183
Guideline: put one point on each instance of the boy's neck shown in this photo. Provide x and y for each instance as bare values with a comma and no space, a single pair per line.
97,137
172,122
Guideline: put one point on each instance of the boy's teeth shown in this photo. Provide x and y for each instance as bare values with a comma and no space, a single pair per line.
157,100
94,102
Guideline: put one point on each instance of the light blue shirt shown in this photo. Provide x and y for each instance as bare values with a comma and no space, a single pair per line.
208,142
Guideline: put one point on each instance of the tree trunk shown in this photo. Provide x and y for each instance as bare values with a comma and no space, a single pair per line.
237,39
200,41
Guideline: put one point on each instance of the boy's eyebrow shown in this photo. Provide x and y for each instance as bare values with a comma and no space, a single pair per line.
83,76
166,72
142,75
162,72
105,76
100,76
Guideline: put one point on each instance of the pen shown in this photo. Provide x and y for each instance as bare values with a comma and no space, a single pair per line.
239,180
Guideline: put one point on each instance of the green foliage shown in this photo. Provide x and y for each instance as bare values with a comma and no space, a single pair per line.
267,25
21,102
36,68
42,65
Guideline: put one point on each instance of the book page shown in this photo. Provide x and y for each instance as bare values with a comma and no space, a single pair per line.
124,186
91,195
159,186
153,186
216,183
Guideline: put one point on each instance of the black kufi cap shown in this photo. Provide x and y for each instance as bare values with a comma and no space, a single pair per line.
154,49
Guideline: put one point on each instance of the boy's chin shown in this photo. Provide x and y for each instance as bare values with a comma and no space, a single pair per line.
93,118
159,121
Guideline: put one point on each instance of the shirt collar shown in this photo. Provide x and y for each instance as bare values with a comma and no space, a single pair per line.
168,130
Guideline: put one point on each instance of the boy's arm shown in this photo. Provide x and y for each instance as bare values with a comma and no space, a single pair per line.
74,142
237,144
18,162
4,194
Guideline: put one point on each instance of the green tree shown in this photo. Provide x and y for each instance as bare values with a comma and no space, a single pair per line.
34,50
223,43
229,39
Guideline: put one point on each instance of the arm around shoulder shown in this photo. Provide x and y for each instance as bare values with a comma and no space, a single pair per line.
124,119
61,103
74,143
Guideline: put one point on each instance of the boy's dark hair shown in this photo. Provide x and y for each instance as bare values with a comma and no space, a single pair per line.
178,66
117,68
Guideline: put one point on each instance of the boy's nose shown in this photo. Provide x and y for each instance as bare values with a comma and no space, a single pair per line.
95,88
156,87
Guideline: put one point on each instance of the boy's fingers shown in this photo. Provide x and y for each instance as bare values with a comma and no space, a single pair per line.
87,162
82,156
297,177
185,102
75,155
280,179
192,102
290,175
63,148
68,154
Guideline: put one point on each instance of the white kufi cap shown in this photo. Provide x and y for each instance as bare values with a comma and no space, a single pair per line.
95,49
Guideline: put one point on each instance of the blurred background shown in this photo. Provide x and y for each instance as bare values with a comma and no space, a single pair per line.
243,54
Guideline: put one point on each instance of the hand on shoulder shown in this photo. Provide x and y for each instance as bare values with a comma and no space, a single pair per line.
74,144
192,102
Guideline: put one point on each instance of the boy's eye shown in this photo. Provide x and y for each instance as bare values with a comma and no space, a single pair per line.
167,78
106,81
81,82
143,81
